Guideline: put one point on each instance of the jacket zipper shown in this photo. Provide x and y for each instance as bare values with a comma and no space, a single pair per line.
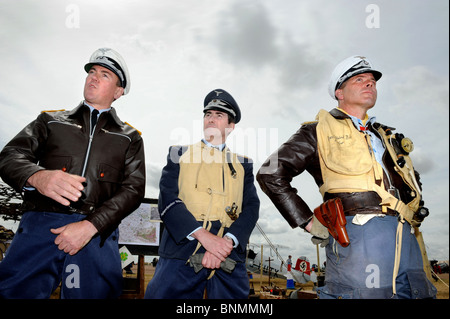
118,134
91,137
65,123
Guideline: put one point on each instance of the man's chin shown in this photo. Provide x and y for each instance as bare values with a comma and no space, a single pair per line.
212,133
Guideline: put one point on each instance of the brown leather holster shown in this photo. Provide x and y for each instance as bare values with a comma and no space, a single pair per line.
331,215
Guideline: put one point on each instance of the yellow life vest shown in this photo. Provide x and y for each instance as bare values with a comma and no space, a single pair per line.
207,185
348,163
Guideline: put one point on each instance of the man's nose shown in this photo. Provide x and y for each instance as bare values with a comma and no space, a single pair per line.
370,83
94,77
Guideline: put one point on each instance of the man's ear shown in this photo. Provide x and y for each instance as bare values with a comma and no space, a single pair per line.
338,93
118,92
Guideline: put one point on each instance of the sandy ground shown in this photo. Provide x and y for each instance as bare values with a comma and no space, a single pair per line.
257,282
261,284
442,286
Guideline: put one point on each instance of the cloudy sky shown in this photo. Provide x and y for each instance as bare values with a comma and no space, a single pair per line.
274,57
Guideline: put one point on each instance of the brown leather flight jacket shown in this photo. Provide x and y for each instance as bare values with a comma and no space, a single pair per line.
300,153
112,160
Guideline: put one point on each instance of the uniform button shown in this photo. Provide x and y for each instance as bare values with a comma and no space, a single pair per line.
209,191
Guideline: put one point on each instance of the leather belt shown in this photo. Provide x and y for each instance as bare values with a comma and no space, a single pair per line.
360,203
34,201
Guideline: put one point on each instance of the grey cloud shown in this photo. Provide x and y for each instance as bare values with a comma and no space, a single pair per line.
247,38
423,163
245,35
153,172
422,86
300,69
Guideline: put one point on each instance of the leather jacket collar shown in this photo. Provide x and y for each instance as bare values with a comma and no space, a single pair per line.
81,107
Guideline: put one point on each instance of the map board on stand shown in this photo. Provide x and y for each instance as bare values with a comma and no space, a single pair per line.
141,231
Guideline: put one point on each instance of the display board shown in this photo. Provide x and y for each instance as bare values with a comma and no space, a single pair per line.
141,231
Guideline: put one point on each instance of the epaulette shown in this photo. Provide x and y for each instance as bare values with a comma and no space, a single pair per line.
309,122
179,148
245,159
243,156
49,111
140,133
176,151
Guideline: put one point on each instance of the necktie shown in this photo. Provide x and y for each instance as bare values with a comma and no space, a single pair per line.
94,116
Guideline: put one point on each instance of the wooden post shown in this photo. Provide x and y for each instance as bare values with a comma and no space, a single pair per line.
134,288
141,277
269,270
318,260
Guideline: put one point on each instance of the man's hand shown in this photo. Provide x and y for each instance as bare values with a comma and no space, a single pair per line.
315,228
210,261
217,246
73,237
58,185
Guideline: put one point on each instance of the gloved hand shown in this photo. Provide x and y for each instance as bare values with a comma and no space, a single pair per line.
196,262
318,230
323,242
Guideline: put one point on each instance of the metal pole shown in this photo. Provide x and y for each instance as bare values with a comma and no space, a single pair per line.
261,269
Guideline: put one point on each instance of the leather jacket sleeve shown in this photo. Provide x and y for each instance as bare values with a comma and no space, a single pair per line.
293,157
19,158
115,165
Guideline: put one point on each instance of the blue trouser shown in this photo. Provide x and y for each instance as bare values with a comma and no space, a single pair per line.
34,266
364,269
174,279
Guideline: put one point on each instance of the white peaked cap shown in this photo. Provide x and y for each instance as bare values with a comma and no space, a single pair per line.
113,61
351,66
